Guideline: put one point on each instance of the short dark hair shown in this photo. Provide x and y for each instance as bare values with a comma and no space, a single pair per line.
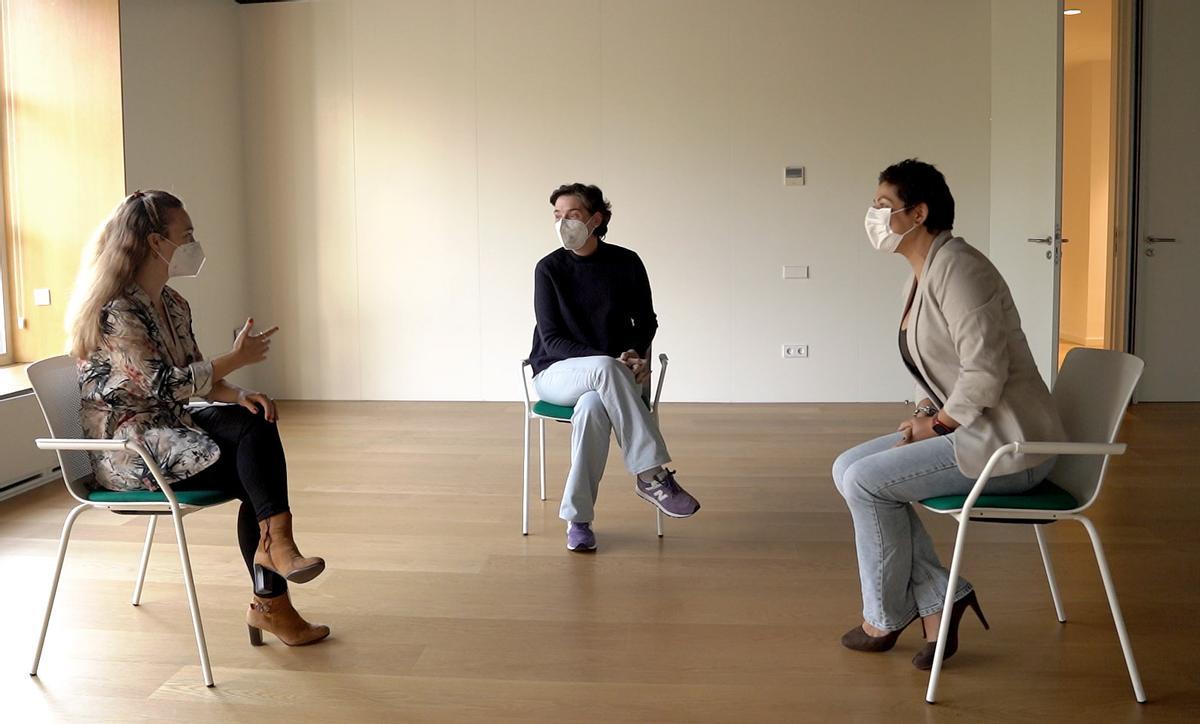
593,200
918,182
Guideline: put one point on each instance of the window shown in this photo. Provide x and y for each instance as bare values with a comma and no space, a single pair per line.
5,317
6,321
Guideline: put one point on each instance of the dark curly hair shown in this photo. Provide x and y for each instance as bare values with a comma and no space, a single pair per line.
593,200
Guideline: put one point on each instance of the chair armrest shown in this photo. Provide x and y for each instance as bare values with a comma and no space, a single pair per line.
1070,448
113,446
525,386
45,443
663,361
1037,448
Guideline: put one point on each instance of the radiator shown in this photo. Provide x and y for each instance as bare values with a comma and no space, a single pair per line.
22,465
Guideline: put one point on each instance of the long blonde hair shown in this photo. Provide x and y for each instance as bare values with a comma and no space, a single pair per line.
109,263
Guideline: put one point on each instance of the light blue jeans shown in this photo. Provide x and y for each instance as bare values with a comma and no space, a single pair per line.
606,400
898,567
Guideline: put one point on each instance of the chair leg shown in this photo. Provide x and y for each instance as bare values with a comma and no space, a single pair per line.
68,524
188,583
525,489
939,650
658,519
1058,607
137,588
1126,647
542,452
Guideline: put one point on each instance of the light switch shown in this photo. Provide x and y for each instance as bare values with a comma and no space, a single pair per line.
795,272
41,297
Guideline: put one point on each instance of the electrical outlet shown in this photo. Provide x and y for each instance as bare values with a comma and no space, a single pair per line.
794,351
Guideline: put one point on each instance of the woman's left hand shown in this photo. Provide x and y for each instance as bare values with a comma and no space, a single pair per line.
252,401
915,429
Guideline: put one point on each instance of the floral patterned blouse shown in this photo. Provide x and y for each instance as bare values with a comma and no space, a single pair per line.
136,386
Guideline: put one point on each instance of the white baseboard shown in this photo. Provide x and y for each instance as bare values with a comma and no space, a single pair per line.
1080,340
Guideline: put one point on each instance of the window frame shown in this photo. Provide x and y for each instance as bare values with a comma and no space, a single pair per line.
6,325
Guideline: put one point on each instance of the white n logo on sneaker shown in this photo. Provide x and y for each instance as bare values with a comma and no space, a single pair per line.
657,491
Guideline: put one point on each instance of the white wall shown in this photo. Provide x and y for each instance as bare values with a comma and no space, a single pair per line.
181,80
399,158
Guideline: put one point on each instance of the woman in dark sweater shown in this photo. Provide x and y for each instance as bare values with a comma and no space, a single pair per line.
595,322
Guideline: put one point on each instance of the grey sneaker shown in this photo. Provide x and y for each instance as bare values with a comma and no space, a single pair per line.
667,495
580,537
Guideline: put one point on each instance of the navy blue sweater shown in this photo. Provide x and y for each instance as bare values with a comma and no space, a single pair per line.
591,305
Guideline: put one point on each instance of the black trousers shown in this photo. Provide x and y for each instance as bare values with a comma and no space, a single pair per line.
251,468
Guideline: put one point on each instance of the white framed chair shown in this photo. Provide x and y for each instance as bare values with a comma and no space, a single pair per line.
1091,395
541,411
56,383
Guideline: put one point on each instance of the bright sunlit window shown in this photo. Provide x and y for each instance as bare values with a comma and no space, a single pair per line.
5,348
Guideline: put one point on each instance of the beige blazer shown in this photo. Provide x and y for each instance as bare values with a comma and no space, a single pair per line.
965,337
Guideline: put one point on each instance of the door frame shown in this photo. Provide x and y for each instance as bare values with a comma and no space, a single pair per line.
1121,295
1121,282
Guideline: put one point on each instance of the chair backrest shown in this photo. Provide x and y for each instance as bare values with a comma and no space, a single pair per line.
1092,392
56,384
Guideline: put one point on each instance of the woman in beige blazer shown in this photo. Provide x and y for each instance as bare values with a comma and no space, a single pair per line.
960,337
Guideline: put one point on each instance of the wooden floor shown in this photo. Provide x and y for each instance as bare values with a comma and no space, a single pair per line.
442,611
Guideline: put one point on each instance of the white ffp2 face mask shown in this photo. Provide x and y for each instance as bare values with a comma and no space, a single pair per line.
187,261
572,233
879,229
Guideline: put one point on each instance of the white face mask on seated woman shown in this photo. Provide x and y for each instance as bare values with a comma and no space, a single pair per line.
879,228
572,233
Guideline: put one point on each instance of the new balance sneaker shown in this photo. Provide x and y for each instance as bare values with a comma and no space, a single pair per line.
580,537
665,494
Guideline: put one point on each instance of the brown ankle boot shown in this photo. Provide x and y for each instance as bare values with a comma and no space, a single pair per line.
277,615
277,553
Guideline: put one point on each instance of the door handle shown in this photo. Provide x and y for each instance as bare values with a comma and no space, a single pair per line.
1159,240
1043,240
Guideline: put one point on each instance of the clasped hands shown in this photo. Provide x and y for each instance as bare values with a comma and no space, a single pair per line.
920,425
639,366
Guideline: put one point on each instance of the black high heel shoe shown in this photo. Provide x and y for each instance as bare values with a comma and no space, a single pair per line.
924,658
858,640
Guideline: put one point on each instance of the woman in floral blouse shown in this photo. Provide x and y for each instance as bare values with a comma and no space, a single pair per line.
138,368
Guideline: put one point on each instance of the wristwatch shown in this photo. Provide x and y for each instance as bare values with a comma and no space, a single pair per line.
926,410
939,428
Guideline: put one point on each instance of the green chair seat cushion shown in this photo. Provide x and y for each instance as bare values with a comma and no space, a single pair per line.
1045,496
558,412
185,497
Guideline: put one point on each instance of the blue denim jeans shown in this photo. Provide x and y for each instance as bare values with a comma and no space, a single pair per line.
898,567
